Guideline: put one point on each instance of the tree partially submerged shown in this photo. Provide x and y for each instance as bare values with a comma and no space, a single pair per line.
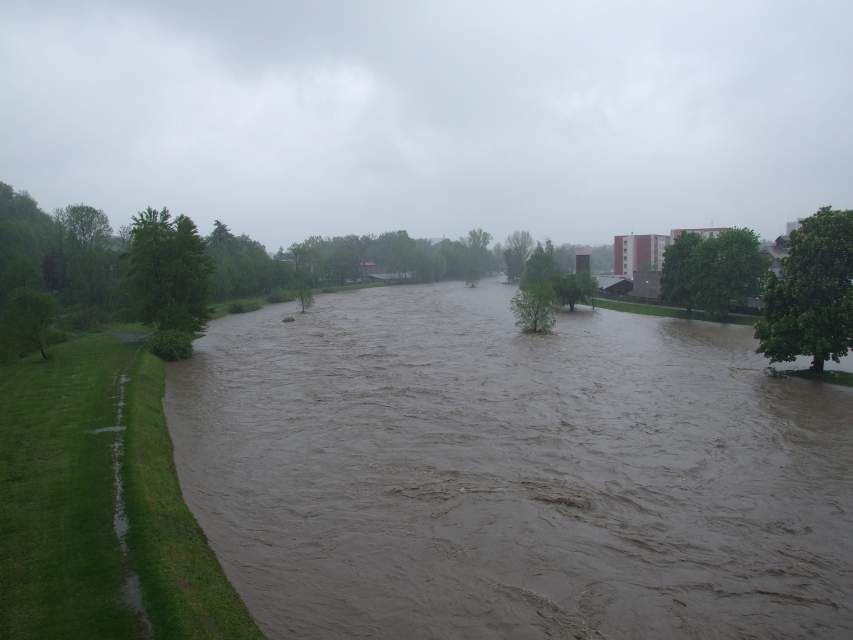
540,266
515,254
809,310
305,295
572,288
533,307
26,320
477,255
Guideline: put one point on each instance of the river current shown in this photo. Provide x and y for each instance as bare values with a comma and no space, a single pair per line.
400,462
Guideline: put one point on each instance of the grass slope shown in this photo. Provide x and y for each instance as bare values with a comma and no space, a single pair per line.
667,312
62,572
61,569
186,593
843,378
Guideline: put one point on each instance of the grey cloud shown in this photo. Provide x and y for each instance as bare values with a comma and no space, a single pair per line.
574,120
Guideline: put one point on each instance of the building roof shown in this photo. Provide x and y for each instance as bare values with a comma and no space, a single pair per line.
607,280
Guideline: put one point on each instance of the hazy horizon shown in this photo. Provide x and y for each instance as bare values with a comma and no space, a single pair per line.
576,123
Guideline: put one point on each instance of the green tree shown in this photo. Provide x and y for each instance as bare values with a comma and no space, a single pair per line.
540,266
26,236
809,310
305,295
169,274
517,251
190,272
83,267
730,268
26,320
533,308
476,255
572,288
678,279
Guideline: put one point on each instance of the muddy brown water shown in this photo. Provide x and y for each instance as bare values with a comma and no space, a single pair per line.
401,463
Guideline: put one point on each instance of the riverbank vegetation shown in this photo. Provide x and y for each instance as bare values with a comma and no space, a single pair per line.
843,378
159,270
668,312
808,310
62,570
185,591
715,273
544,286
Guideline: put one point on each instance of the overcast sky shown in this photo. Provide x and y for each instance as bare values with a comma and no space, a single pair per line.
576,121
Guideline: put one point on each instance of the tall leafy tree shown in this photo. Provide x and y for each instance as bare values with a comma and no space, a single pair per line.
730,269
809,310
26,320
477,255
540,266
572,288
169,274
519,244
26,236
678,279
83,266
533,308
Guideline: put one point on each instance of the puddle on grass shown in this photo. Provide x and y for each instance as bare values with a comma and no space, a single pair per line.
115,429
132,589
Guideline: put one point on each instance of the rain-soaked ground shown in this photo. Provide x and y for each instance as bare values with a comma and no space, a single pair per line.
401,463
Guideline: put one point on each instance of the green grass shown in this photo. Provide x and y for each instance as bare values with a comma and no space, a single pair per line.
186,592
667,312
61,569
842,378
62,572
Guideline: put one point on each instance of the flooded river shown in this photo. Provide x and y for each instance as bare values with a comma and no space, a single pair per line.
401,463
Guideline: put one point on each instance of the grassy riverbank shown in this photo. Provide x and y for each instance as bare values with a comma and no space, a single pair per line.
220,309
62,571
186,593
843,378
667,312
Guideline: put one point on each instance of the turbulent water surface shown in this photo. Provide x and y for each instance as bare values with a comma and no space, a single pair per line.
401,463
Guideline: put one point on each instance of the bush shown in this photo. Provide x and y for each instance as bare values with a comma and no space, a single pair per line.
327,290
27,320
243,307
171,344
533,308
280,295
306,296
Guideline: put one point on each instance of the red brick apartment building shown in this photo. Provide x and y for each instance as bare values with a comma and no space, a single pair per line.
638,253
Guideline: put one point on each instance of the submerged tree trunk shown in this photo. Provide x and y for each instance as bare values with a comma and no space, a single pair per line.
817,364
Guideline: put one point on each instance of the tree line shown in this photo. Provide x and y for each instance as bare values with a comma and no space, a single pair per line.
161,271
73,267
